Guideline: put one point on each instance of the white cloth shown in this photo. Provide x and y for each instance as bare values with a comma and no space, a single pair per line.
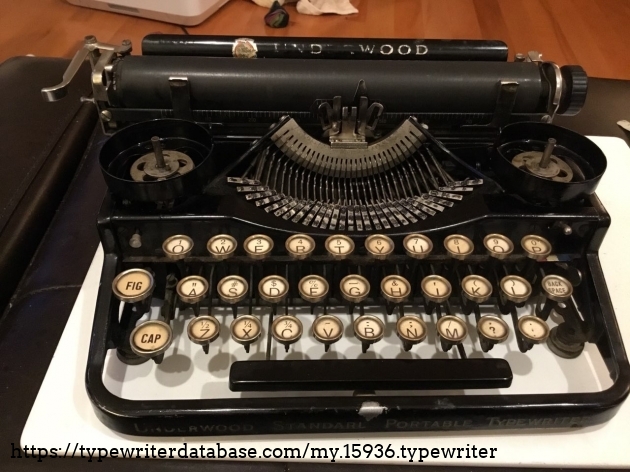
316,7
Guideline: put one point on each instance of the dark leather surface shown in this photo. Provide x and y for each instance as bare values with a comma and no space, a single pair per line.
40,147
31,330
607,102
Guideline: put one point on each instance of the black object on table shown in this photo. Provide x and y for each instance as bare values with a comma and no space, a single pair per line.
40,148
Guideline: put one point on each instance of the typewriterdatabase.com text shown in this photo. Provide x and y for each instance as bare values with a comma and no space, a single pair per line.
349,451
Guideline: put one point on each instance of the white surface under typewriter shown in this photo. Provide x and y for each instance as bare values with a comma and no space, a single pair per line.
63,414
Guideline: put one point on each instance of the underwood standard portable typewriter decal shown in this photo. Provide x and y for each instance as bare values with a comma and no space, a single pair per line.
352,244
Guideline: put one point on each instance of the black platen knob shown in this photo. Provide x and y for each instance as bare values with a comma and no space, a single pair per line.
576,87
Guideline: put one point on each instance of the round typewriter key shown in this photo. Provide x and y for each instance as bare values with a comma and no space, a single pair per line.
411,329
498,246
354,288
339,246
313,288
476,288
369,329
203,329
536,247
221,246
232,289
395,288
286,329
452,329
177,247
273,288
258,246
151,338
133,285
458,246
245,329
557,288
515,288
299,246
436,288
493,329
192,289
417,246
327,329
533,329
379,246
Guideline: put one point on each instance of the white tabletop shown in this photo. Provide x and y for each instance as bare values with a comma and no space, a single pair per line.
63,414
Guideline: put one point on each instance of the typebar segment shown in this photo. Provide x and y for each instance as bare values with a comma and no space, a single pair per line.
370,374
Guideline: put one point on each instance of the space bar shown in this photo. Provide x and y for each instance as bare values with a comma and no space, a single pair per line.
370,374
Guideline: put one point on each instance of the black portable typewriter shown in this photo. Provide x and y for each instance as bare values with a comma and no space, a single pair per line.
347,235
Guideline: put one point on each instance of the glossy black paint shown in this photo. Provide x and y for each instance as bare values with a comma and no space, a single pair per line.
222,210
369,374
325,48
277,415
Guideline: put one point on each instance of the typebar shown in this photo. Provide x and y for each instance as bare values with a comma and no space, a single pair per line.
370,374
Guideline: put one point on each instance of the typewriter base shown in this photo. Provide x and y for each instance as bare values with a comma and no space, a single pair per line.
209,408
64,414
63,401
202,407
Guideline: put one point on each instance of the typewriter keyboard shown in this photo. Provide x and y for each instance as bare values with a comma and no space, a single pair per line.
252,319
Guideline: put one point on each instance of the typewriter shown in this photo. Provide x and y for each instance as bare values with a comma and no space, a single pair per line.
338,237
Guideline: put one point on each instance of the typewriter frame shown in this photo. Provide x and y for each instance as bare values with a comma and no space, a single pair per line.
347,414
352,413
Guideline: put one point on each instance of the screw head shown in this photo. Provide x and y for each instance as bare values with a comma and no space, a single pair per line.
106,115
135,241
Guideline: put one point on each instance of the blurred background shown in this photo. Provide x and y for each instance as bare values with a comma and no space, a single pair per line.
592,33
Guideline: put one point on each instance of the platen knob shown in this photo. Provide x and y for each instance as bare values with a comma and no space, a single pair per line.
575,90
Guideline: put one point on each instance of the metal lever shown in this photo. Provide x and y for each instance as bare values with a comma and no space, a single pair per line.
52,94
100,55
347,127
552,73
